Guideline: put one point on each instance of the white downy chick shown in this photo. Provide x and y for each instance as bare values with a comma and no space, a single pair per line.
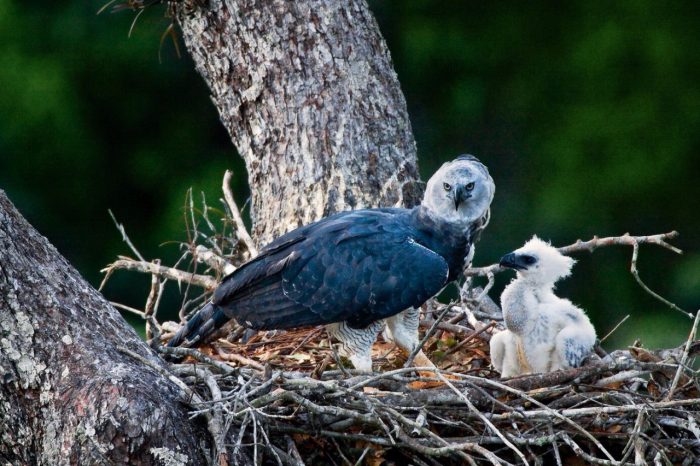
543,331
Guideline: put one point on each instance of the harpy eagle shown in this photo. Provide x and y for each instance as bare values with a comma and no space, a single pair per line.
355,271
543,331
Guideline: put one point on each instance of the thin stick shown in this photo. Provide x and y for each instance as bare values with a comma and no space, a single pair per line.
483,418
555,444
152,302
590,246
684,357
241,231
125,237
128,309
204,281
592,411
590,458
615,328
635,274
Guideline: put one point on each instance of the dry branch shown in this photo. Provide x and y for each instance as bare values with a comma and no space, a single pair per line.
180,276
595,243
241,231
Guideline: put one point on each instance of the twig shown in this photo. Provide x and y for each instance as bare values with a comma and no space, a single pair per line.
152,302
191,396
204,281
590,458
241,359
555,445
590,246
615,328
481,416
182,352
125,237
209,257
545,409
241,231
593,411
128,309
684,357
635,274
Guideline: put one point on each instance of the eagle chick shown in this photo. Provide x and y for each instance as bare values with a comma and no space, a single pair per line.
543,331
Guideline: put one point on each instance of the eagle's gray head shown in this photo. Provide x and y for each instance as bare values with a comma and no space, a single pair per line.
461,191
539,262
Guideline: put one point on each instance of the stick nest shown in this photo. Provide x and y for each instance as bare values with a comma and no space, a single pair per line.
288,401
286,398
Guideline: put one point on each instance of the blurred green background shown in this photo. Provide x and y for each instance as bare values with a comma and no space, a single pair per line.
587,114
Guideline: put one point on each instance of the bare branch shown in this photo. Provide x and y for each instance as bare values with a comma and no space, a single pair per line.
590,246
204,281
125,237
241,231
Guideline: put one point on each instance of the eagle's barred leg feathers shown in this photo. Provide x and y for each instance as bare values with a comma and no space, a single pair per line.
402,329
356,344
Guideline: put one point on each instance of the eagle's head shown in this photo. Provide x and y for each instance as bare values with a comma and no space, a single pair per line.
461,191
539,262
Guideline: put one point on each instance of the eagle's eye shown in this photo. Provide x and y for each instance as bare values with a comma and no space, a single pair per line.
470,186
446,186
529,260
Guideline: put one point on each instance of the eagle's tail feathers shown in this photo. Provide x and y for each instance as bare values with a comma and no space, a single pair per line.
205,322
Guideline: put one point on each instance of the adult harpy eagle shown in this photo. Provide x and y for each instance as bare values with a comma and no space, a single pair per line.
351,270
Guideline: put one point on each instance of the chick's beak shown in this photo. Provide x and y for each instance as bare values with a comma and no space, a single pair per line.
461,195
512,261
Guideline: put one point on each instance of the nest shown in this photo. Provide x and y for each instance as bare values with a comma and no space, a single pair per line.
286,398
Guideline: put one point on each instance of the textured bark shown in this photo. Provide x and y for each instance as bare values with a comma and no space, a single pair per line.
67,394
309,96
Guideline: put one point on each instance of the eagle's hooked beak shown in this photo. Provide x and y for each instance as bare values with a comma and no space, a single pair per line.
461,195
515,261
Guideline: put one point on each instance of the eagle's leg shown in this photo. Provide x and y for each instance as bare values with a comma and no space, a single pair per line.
402,329
356,344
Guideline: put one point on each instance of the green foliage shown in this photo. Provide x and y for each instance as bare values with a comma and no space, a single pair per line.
586,113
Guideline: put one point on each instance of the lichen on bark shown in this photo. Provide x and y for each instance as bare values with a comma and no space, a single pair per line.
67,393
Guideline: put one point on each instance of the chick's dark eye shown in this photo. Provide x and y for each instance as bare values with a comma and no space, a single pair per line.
529,259
470,186
446,186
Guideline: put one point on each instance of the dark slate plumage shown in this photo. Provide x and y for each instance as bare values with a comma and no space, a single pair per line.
358,272
358,266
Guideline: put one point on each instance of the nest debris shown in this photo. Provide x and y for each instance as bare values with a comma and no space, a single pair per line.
286,398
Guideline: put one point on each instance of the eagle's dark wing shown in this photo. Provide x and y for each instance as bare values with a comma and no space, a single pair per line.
356,266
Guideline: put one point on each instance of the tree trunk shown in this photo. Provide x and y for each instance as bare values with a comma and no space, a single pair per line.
308,94
307,91
68,395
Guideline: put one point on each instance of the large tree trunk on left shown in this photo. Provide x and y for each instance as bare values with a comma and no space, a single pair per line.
68,395
308,93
